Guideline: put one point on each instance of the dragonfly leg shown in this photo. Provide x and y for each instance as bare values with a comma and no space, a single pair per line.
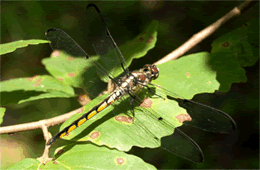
132,104
152,91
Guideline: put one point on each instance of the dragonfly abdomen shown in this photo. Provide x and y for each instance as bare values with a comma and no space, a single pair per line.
116,95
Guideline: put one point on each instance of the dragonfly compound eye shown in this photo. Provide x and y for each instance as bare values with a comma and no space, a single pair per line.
151,70
155,71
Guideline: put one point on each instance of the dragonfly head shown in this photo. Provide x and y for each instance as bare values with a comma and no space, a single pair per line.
151,71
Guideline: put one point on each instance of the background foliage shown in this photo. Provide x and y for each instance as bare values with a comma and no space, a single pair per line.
178,21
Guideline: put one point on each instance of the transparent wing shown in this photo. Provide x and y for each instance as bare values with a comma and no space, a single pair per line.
182,145
208,118
63,42
110,56
204,117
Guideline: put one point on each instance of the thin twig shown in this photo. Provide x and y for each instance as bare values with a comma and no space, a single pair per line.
39,124
197,38
45,156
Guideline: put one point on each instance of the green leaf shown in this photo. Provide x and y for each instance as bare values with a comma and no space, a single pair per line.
47,84
36,83
240,43
2,113
87,156
233,51
73,71
201,73
253,38
114,127
10,47
188,75
228,70
27,163
52,94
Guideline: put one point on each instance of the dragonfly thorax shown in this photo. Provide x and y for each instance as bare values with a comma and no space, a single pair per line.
138,79
150,71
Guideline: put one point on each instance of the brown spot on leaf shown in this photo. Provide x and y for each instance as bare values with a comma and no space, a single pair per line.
84,99
36,84
140,39
70,58
94,135
39,80
120,161
60,78
150,39
208,82
226,44
31,78
56,53
146,103
183,117
188,75
124,119
71,74
55,162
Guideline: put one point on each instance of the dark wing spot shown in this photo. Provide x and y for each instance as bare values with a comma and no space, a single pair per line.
160,118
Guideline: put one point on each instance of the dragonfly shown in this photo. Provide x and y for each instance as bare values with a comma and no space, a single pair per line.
130,85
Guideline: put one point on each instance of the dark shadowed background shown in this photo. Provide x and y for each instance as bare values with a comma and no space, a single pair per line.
178,21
